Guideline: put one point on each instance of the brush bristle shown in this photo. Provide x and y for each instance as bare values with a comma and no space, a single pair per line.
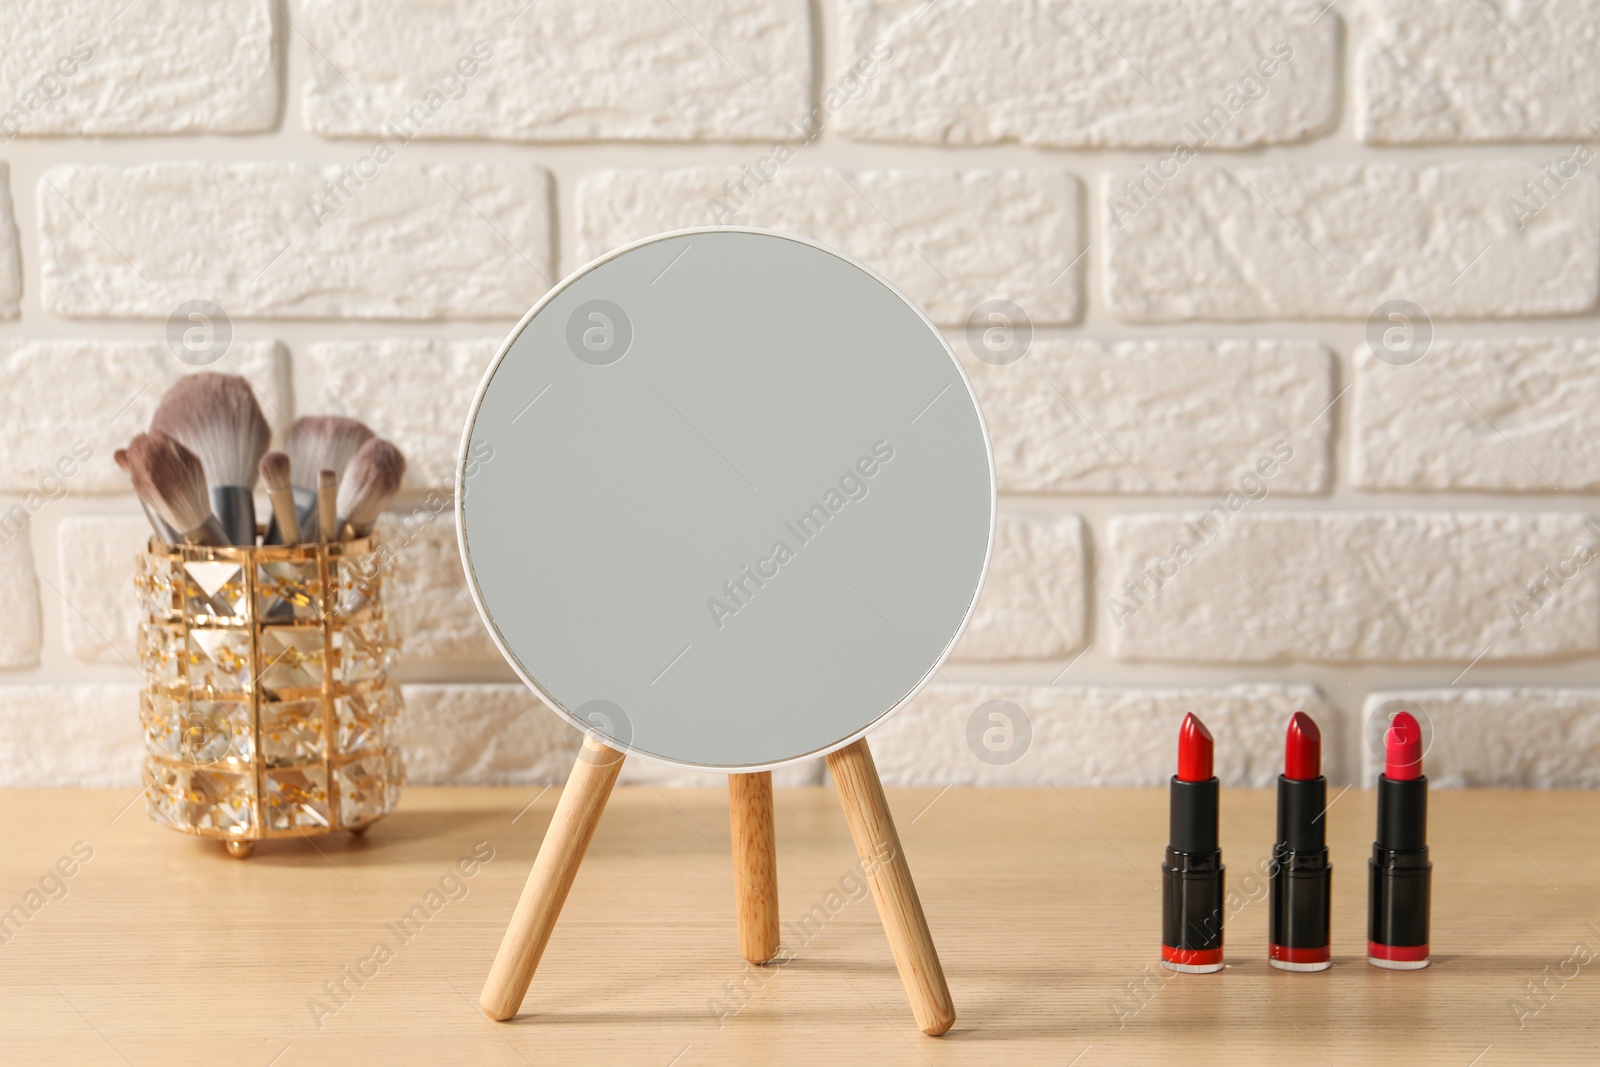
217,418
323,441
171,478
275,471
121,456
371,482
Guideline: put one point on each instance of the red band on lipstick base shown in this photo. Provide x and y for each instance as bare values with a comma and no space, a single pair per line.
1299,959
1193,960
1397,957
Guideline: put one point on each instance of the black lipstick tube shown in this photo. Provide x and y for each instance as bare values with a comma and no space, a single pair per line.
1191,881
1400,877
1301,887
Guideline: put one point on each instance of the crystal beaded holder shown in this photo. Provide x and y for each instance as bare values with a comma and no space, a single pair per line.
267,707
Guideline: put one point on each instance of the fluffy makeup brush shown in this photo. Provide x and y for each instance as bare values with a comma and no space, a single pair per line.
216,417
315,443
275,475
327,505
173,480
369,483
162,530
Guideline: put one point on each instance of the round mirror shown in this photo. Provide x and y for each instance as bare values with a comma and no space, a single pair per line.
725,499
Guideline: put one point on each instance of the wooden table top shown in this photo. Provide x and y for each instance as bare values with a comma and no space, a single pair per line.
160,948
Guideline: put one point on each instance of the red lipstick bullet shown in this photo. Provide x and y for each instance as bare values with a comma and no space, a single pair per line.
1400,875
1301,900
1191,876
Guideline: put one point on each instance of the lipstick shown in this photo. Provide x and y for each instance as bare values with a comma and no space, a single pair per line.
1400,875
1301,898
1191,875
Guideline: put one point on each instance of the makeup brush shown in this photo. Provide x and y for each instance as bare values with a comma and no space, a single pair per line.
369,483
327,505
316,442
275,475
216,417
173,480
162,530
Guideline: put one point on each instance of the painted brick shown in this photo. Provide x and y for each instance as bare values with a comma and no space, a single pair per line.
100,619
1348,587
1430,72
20,628
111,67
1301,242
498,734
1088,736
1515,413
68,404
1496,738
1149,73
430,609
950,239
1167,416
410,241
1033,601
84,736
10,250
566,70
483,735
413,391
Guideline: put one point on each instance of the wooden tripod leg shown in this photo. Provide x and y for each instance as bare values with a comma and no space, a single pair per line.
884,863
571,828
755,865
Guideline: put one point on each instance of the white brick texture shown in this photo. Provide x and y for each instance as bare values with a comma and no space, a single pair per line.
371,238
483,735
1295,242
1096,73
1442,73
1088,736
571,70
84,735
1219,482
949,239
1231,585
10,250
1495,738
415,392
1032,605
20,636
152,67
430,610
100,611
1156,416
68,405
1515,413
504,735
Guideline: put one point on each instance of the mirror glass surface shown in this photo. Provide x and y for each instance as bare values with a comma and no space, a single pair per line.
726,499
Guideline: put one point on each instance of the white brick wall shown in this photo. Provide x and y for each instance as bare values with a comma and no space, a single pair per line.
160,66
1094,73
370,239
950,238
375,193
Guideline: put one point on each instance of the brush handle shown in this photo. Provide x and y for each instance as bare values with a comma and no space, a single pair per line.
305,509
327,505
235,509
163,531
287,530
209,532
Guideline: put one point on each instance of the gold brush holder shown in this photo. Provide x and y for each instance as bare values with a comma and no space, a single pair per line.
266,705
